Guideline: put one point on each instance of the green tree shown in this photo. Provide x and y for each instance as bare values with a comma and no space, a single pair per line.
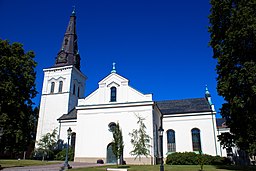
47,143
17,89
118,144
233,39
140,140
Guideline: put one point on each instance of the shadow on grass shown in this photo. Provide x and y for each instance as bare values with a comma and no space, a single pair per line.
1,168
234,167
123,166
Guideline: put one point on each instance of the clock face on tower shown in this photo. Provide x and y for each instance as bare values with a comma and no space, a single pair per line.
62,57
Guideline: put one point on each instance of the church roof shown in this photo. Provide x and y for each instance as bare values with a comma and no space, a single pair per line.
71,115
184,106
166,107
221,123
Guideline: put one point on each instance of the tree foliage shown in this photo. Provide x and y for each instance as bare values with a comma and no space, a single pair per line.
233,39
17,89
140,140
118,144
47,143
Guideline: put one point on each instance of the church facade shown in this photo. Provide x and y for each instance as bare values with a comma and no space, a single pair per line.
189,124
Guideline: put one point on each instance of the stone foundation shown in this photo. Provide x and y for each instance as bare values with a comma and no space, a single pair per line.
128,160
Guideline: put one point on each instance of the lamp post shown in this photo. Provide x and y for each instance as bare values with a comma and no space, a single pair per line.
161,131
66,165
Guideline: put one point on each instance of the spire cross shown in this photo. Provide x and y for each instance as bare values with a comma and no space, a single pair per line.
74,10
113,67
206,90
208,95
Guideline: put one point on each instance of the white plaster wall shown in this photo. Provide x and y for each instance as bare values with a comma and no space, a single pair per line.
156,123
93,135
95,112
51,108
222,150
134,94
183,126
78,79
91,99
54,105
65,126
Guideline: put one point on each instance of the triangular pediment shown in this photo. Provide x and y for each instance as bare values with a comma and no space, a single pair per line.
123,92
113,84
113,79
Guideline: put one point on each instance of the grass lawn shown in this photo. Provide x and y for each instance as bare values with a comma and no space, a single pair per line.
171,168
17,163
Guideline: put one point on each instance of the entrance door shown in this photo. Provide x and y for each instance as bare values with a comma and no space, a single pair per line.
111,158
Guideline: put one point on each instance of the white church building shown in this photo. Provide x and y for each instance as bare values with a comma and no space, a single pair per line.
189,124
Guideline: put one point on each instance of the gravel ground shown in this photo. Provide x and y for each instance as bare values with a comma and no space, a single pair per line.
52,167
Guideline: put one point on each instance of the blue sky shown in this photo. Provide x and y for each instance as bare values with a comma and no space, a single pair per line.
161,46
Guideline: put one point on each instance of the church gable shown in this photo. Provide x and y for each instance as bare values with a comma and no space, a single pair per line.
114,89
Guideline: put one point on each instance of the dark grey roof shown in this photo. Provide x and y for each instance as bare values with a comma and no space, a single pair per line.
221,123
71,115
184,106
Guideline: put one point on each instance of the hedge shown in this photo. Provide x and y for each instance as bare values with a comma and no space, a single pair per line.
191,158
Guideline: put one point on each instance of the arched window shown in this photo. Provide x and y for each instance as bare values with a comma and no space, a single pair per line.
52,87
78,91
171,145
196,140
111,158
73,140
113,94
60,86
74,89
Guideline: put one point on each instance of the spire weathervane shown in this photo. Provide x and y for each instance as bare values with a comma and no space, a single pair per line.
113,68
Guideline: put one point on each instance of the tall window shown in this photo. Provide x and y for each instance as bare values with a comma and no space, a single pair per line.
52,87
73,140
78,91
60,86
196,141
74,89
171,145
113,94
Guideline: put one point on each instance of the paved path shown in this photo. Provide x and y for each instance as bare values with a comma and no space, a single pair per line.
52,167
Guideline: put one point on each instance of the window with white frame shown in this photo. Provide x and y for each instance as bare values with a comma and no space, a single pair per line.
113,94
196,140
60,86
171,145
52,87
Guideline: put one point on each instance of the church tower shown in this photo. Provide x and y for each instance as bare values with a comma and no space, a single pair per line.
63,83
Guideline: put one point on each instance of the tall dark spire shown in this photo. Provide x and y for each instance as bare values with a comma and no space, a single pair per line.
68,54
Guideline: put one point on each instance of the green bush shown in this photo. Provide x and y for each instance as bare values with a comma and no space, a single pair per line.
187,158
191,158
62,155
